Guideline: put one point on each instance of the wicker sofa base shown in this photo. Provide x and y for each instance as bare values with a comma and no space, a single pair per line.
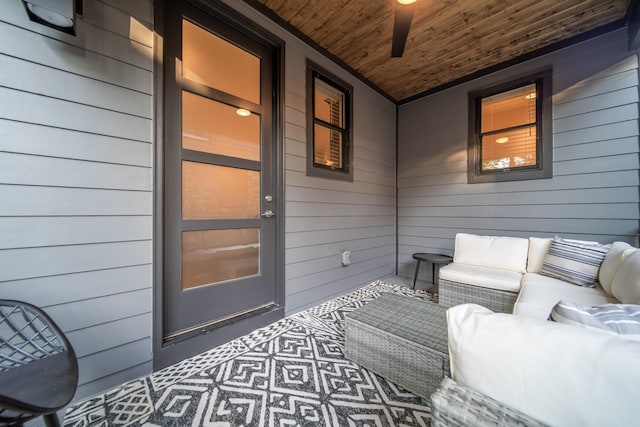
456,405
453,293
402,339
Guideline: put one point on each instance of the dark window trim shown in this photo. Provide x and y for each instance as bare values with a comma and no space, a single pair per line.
544,107
314,169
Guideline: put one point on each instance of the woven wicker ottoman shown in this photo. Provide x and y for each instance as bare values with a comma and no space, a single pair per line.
402,339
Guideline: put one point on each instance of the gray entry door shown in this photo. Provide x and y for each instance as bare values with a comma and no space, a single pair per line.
219,239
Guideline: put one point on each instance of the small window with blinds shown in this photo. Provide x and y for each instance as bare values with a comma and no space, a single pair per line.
329,129
510,131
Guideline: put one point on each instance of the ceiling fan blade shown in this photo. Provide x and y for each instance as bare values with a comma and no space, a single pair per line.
401,25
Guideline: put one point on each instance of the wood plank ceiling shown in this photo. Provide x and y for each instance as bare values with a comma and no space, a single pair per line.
448,39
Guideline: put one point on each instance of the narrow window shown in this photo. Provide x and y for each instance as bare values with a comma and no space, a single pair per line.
510,131
329,129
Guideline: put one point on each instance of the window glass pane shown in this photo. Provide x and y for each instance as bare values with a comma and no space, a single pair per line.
327,147
512,149
212,61
217,128
219,192
512,108
214,256
329,103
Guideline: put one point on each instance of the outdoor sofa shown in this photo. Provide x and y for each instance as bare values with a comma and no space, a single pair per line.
515,367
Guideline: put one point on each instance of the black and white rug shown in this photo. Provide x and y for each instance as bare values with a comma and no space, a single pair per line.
290,373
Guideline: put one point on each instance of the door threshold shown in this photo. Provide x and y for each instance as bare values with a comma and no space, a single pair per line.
207,327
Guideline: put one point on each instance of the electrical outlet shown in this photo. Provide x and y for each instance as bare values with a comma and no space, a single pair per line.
346,258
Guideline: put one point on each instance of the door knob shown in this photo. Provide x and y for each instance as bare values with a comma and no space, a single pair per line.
267,214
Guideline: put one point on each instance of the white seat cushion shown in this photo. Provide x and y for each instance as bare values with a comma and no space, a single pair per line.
493,278
540,293
561,375
507,253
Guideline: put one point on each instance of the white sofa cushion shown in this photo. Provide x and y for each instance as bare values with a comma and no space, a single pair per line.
626,283
574,262
538,248
617,319
540,293
493,278
559,374
612,262
507,253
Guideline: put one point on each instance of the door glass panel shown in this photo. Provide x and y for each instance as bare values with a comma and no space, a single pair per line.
219,192
217,128
212,61
214,256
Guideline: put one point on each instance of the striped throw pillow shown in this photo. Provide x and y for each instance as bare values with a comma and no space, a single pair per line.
617,319
574,262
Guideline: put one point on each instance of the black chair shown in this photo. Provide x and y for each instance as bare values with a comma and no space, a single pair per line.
38,367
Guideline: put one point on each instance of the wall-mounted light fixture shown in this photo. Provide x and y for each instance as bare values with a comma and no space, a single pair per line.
57,14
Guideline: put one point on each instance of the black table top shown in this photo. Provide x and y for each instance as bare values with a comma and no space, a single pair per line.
435,258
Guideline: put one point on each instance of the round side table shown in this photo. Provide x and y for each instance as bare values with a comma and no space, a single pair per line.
434,259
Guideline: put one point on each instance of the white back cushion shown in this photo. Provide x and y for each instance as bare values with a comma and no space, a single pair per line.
561,375
538,248
612,262
626,283
507,253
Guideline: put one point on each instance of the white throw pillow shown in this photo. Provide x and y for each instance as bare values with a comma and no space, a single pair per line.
626,283
612,262
558,374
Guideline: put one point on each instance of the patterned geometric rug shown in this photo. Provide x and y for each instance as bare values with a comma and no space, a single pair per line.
292,372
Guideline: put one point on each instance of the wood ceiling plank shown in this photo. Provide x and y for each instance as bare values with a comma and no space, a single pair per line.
447,71
274,5
463,60
355,19
308,18
534,36
289,9
448,39
421,49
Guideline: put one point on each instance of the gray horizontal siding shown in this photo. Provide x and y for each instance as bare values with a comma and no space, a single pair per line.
31,138
38,170
21,39
594,190
22,200
81,286
30,232
76,181
325,217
